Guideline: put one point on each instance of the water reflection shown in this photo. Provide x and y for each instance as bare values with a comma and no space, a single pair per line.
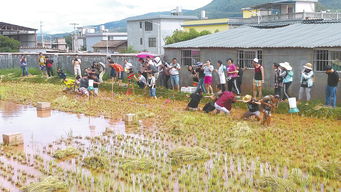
48,125
44,113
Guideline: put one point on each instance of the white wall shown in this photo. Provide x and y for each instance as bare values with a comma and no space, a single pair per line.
161,29
305,7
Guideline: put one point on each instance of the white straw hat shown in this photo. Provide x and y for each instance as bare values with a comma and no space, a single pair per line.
255,60
286,66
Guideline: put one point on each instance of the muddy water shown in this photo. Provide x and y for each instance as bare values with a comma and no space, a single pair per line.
45,126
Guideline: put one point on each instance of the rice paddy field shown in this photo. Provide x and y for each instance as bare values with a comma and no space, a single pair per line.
169,149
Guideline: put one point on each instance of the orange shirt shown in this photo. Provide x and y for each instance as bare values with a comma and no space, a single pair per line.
117,67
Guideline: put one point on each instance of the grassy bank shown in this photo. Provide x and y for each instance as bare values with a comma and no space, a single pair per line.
287,142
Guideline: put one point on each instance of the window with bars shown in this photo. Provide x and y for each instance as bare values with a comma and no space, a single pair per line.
245,57
322,58
190,56
148,26
152,42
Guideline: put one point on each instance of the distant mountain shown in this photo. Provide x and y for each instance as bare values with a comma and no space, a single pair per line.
121,25
215,9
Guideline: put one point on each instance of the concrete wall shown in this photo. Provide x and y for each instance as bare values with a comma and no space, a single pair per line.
296,57
63,60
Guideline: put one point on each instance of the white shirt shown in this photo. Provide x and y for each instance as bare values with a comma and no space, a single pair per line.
221,74
175,70
208,70
143,79
128,66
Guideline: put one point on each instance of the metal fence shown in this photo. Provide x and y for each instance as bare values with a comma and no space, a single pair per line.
11,60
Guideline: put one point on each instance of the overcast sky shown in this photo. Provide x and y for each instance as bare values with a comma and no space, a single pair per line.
58,14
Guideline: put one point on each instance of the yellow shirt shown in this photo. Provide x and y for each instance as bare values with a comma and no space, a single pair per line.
69,83
41,60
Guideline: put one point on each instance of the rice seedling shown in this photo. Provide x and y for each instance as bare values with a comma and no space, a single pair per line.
69,152
138,165
188,154
95,162
48,184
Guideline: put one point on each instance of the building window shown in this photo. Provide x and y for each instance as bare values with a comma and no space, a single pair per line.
190,57
245,57
152,42
322,58
140,25
148,26
141,41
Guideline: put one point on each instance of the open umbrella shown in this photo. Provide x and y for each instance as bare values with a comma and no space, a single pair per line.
145,55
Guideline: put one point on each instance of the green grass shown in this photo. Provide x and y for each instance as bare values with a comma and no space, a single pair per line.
311,110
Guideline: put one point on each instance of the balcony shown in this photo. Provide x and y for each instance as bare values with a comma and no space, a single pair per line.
294,17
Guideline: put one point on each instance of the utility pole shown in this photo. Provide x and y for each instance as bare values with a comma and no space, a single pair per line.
74,39
42,35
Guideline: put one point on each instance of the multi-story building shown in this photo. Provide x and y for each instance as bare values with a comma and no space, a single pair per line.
283,12
92,38
25,35
149,33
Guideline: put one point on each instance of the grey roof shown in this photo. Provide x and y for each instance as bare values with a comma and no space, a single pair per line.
291,36
177,17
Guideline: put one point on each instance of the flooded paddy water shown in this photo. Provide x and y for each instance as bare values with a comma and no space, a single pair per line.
108,155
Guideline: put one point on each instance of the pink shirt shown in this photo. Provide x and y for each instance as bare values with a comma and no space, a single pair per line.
226,99
232,68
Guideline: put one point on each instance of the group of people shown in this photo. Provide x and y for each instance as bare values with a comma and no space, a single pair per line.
150,70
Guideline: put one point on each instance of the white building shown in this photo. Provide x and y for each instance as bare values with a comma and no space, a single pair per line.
149,33
92,38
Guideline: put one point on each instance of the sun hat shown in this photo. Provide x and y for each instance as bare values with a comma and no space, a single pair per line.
255,60
308,66
286,66
247,98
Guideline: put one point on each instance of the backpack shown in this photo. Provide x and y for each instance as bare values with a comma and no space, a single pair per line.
209,107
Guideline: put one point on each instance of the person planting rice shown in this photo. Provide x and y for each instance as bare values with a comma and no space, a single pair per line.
253,107
83,86
141,80
195,100
118,71
223,101
60,73
268,103
70,84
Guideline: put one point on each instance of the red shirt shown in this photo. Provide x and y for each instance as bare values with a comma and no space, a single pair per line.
226,99
117,67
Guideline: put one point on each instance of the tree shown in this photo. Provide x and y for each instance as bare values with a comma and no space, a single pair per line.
130,49
179,35
8,44
68,40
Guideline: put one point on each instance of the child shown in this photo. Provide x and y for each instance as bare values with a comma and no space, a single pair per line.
61,73
195,100
151,84
253,106
70,84
268,103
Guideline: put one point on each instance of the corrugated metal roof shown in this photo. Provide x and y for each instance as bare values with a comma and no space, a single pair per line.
292,36
178,17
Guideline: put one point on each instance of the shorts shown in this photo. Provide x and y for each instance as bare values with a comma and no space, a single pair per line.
267,112
152,92
219,108
83,91
175,80
257,83
208,80
42,68
249,114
